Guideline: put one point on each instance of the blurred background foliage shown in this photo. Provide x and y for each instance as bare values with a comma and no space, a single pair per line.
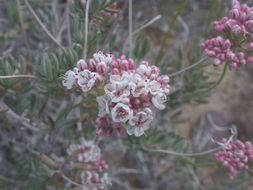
39,115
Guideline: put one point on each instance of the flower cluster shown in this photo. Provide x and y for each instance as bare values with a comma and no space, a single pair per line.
239,22
220,50
235,156
88,153
130,92
236,28
87,75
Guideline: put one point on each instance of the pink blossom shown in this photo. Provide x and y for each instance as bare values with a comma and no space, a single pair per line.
237,28
86,80
129,91
140,122
103,105
69,79
154,87
159,100
121,113
235,156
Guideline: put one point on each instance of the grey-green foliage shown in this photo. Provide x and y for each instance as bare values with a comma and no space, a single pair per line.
195,81
161,139
10,66
158,138
50,69
141,48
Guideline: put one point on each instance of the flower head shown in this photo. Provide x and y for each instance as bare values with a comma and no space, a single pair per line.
121,113
236,156
130,92
237,28
140,122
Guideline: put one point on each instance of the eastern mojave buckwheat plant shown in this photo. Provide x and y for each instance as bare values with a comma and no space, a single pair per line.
107,94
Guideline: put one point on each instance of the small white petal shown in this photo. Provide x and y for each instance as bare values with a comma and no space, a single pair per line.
103,102
86,80
121,113
139,131
158,101
154,87
69,79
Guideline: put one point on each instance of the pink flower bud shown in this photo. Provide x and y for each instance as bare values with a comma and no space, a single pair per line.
144,63
100,131
226,44
235,13
236,29
81,65
120,132
250,45
235,4
114,64
233,65
243,17
92,65
124,65
216,62
115,71
250,59
101,68
249,24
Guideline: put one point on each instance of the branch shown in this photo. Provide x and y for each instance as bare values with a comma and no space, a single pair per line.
184,154
17,76
144,26
188,68
147,24
7,179
220,79
131,26
115,23
23,30
65,18
17,117
41,24
196,179
86,30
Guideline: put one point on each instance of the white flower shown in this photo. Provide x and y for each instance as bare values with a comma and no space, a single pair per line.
140,122
144,70
81,64
158,100
121,113
115,79
154,87
103,102
138,85
139,89
100,57
118,88
106,180
86,79
69,79
117,91
124,78
91,151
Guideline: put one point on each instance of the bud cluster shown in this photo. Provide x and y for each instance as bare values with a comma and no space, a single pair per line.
235,156
235,48
240,21
88,153
130,93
